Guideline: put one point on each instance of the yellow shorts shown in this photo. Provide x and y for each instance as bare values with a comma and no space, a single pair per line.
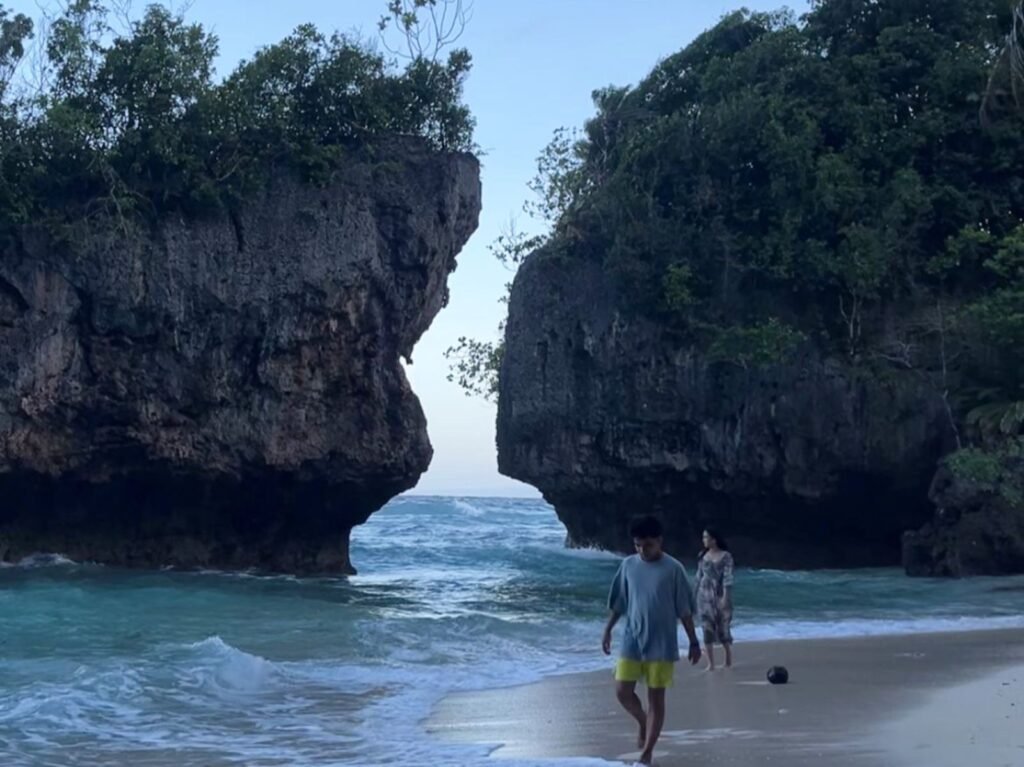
656,674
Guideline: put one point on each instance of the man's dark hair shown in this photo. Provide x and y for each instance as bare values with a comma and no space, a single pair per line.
646,527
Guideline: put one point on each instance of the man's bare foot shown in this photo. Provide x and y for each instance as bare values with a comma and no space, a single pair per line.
709,668
646,758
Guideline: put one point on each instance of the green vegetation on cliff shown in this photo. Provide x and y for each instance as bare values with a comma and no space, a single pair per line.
849,179
127,116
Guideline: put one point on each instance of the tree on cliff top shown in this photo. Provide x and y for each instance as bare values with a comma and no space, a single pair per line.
427,27
830,161
825,178
128,117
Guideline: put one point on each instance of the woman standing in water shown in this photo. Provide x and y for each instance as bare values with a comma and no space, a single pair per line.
714,595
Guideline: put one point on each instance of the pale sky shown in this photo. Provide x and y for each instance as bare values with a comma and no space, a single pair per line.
536,63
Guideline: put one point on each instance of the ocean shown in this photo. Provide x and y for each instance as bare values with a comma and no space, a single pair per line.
100,666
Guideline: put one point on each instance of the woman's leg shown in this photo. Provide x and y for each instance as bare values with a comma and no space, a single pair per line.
725,635
709,648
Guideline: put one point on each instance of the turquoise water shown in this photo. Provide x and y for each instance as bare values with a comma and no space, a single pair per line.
107,667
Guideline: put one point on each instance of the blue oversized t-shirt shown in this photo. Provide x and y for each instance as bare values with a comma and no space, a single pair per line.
652,597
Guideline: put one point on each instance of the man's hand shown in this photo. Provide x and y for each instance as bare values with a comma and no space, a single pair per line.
694,654
606,640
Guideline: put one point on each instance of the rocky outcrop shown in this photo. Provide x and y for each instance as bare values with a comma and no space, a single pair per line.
813,463
227,391
978,528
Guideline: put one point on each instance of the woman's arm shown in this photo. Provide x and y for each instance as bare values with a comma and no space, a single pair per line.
727,579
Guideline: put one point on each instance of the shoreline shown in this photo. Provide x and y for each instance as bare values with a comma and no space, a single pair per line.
864,702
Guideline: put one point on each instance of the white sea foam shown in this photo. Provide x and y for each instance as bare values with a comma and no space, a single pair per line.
868,627
45,560
467,508
581,553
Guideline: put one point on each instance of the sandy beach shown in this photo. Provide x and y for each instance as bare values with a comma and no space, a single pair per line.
929,699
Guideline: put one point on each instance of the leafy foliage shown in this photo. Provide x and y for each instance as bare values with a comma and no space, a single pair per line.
475,366
995,419
135,122
677,286
765,343
995,470
824,163
827,178
15,31
977,466
426,26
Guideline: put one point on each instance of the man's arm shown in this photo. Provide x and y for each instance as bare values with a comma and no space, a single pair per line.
618,596
694,653
684,609
691,632
606,640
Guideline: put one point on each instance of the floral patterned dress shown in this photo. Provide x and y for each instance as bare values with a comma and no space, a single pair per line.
712,579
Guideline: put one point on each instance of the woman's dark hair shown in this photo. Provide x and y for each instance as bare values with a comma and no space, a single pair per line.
718,539
646,527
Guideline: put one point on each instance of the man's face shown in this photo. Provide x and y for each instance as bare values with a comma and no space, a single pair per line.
649,549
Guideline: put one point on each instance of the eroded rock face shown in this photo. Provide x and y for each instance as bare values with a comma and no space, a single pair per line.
226,392
978,527
811,464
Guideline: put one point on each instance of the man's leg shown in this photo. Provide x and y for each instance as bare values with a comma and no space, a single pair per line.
728,655
626,693
655,721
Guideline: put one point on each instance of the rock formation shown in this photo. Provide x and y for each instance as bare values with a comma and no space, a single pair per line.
226,391
978,527
813,463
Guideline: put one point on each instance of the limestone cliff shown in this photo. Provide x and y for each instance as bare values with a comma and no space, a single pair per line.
808,464
978,526
226,391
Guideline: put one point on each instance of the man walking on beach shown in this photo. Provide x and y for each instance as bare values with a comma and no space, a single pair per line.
651,589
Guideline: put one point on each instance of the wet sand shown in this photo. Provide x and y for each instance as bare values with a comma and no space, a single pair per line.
931,699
